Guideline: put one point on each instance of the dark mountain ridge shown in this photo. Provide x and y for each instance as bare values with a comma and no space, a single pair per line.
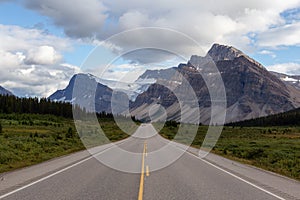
251,90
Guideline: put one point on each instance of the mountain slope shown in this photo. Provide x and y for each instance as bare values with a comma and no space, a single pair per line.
86,89
251,90
4,91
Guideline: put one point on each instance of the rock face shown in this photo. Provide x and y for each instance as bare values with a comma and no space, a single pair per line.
86,85
86,89
251,90
4,91
223,52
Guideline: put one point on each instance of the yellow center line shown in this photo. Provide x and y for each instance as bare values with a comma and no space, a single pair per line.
147,171
142,174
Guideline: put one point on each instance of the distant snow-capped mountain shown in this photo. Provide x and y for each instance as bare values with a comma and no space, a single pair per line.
83,87
293,80
131,89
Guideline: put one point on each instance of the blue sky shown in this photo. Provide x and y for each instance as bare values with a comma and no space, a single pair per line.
49,40
14,14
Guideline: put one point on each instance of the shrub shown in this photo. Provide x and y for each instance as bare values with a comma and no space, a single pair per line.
70,133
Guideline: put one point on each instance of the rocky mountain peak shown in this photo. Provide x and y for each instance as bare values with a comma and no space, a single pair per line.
251,90
222,52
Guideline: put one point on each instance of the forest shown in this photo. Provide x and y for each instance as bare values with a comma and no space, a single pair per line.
13,104
290,118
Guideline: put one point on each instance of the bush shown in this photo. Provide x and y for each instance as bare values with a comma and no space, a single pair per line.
172,124
253,153
70,133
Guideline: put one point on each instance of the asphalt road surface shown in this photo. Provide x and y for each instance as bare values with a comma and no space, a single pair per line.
146,166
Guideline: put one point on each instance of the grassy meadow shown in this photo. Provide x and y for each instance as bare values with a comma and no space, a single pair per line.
275,149
27,139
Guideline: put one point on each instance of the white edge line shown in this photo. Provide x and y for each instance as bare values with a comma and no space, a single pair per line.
55,173
92,156
241,179
235,176
227,172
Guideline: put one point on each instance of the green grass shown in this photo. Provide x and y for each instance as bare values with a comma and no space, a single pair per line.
92,135
28,139
275,149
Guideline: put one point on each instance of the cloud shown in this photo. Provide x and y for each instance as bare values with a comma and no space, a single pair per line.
267,52
22,39
286,68
31,61
43,55
126,73
153,45
221,21
285,35
37,80
78,18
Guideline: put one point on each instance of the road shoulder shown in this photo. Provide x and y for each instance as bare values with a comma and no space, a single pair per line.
281,185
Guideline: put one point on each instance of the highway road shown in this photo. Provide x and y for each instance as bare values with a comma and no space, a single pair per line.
150,167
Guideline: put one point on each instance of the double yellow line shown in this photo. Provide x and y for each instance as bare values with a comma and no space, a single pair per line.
141,191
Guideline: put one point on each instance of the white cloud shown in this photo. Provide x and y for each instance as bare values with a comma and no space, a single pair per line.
9,59
30,63
43,55
207,22
267,52
23,39
126,73
285,35
33,59
286,68
37,80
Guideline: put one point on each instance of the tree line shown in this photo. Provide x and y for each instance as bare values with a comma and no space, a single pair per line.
12,104
290,118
